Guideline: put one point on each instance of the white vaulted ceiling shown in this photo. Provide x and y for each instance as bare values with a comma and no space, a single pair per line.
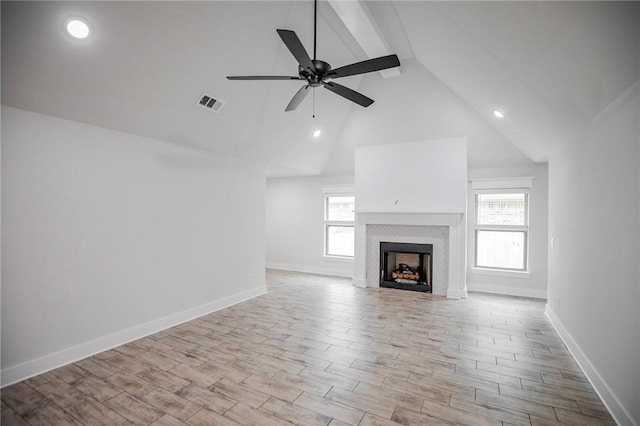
550,66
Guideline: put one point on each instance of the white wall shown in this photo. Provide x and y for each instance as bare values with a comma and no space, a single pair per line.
425,177
295,226
107,237
533,284
594,281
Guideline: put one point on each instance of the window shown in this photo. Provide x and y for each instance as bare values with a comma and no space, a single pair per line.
339,225
501,228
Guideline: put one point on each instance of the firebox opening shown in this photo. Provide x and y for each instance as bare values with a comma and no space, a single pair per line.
406,266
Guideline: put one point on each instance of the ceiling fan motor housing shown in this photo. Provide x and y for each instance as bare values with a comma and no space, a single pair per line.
315,78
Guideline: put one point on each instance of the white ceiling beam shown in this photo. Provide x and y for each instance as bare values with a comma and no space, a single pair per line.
364,30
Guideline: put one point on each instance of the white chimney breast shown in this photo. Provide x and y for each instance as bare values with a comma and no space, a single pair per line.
415,192
420,177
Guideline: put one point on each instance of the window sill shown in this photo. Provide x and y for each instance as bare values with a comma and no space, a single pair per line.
338,258
501,273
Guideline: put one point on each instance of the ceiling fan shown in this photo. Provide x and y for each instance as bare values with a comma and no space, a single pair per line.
319,73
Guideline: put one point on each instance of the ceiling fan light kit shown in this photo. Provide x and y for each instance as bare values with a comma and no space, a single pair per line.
319,73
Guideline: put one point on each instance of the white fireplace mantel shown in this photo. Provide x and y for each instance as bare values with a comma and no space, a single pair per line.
456,224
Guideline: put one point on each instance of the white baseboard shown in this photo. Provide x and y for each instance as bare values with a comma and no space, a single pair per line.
359,282
616,409
28,369
454,293
507,290
311,269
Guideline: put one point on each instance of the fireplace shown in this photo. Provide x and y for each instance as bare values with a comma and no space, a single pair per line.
444,231
406,266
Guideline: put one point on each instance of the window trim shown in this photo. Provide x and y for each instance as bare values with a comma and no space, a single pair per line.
338,190
329,192
502,186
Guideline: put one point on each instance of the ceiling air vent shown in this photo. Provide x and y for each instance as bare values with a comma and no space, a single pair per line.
211,103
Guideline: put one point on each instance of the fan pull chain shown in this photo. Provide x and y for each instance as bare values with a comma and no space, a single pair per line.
314,102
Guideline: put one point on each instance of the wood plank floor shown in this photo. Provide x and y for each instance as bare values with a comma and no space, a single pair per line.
317,351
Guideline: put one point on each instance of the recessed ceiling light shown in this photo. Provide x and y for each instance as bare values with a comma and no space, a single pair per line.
317,133
78,29
498,113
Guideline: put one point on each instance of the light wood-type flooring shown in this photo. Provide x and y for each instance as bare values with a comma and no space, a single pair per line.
316,350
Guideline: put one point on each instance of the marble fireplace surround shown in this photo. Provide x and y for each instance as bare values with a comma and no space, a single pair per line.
446,231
